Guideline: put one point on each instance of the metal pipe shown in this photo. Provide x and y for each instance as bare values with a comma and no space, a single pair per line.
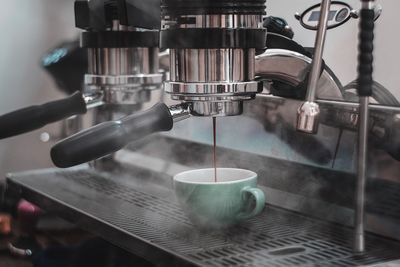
308,112
319,49
359,219
339,104
373,107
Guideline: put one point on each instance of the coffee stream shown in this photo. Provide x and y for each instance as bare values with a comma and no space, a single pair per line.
214,150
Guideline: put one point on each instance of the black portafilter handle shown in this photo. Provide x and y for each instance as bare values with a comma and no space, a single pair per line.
110,136
35,117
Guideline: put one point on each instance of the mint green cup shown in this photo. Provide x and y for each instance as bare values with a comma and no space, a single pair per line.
209,204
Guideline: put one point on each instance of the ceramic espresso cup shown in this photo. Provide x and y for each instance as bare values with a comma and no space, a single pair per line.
209,204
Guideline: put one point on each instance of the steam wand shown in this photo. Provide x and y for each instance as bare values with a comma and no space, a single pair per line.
308,113
365,68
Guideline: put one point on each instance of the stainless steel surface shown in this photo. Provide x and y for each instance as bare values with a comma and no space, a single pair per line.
362,161
234,21
139,213
164,60
308,113
293,68
215,81
212,65
123,61
123,76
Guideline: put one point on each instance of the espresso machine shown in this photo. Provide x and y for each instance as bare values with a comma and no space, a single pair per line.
224,64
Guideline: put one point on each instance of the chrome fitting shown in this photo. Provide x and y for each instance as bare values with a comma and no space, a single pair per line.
308,118
180,112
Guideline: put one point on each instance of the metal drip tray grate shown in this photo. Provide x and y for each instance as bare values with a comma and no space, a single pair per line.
148,214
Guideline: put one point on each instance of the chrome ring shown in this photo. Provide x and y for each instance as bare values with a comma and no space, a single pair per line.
120,96
110,80
216,109
233,88
211,98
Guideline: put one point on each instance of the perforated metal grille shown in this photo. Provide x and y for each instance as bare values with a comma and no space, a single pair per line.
275,238
386,201
130,195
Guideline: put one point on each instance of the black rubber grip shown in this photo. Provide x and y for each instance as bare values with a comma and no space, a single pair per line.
35,117
365,56
213,38
111,136
114,39
203,7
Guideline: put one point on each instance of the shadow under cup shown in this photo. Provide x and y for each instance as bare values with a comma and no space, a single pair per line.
209,204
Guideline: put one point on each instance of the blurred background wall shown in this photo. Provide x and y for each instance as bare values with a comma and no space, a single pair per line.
29,29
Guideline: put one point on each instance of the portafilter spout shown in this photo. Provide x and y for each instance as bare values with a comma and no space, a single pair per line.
308,112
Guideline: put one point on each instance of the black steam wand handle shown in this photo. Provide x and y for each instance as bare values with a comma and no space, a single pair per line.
34,117
365,81
110,136
365,57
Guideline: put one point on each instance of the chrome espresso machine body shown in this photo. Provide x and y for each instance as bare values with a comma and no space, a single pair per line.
215,84
219,67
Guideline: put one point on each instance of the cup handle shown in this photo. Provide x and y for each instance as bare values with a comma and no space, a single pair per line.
259,196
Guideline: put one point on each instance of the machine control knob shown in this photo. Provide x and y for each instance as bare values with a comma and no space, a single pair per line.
278,25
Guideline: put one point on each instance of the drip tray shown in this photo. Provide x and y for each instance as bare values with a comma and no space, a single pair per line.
142,216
